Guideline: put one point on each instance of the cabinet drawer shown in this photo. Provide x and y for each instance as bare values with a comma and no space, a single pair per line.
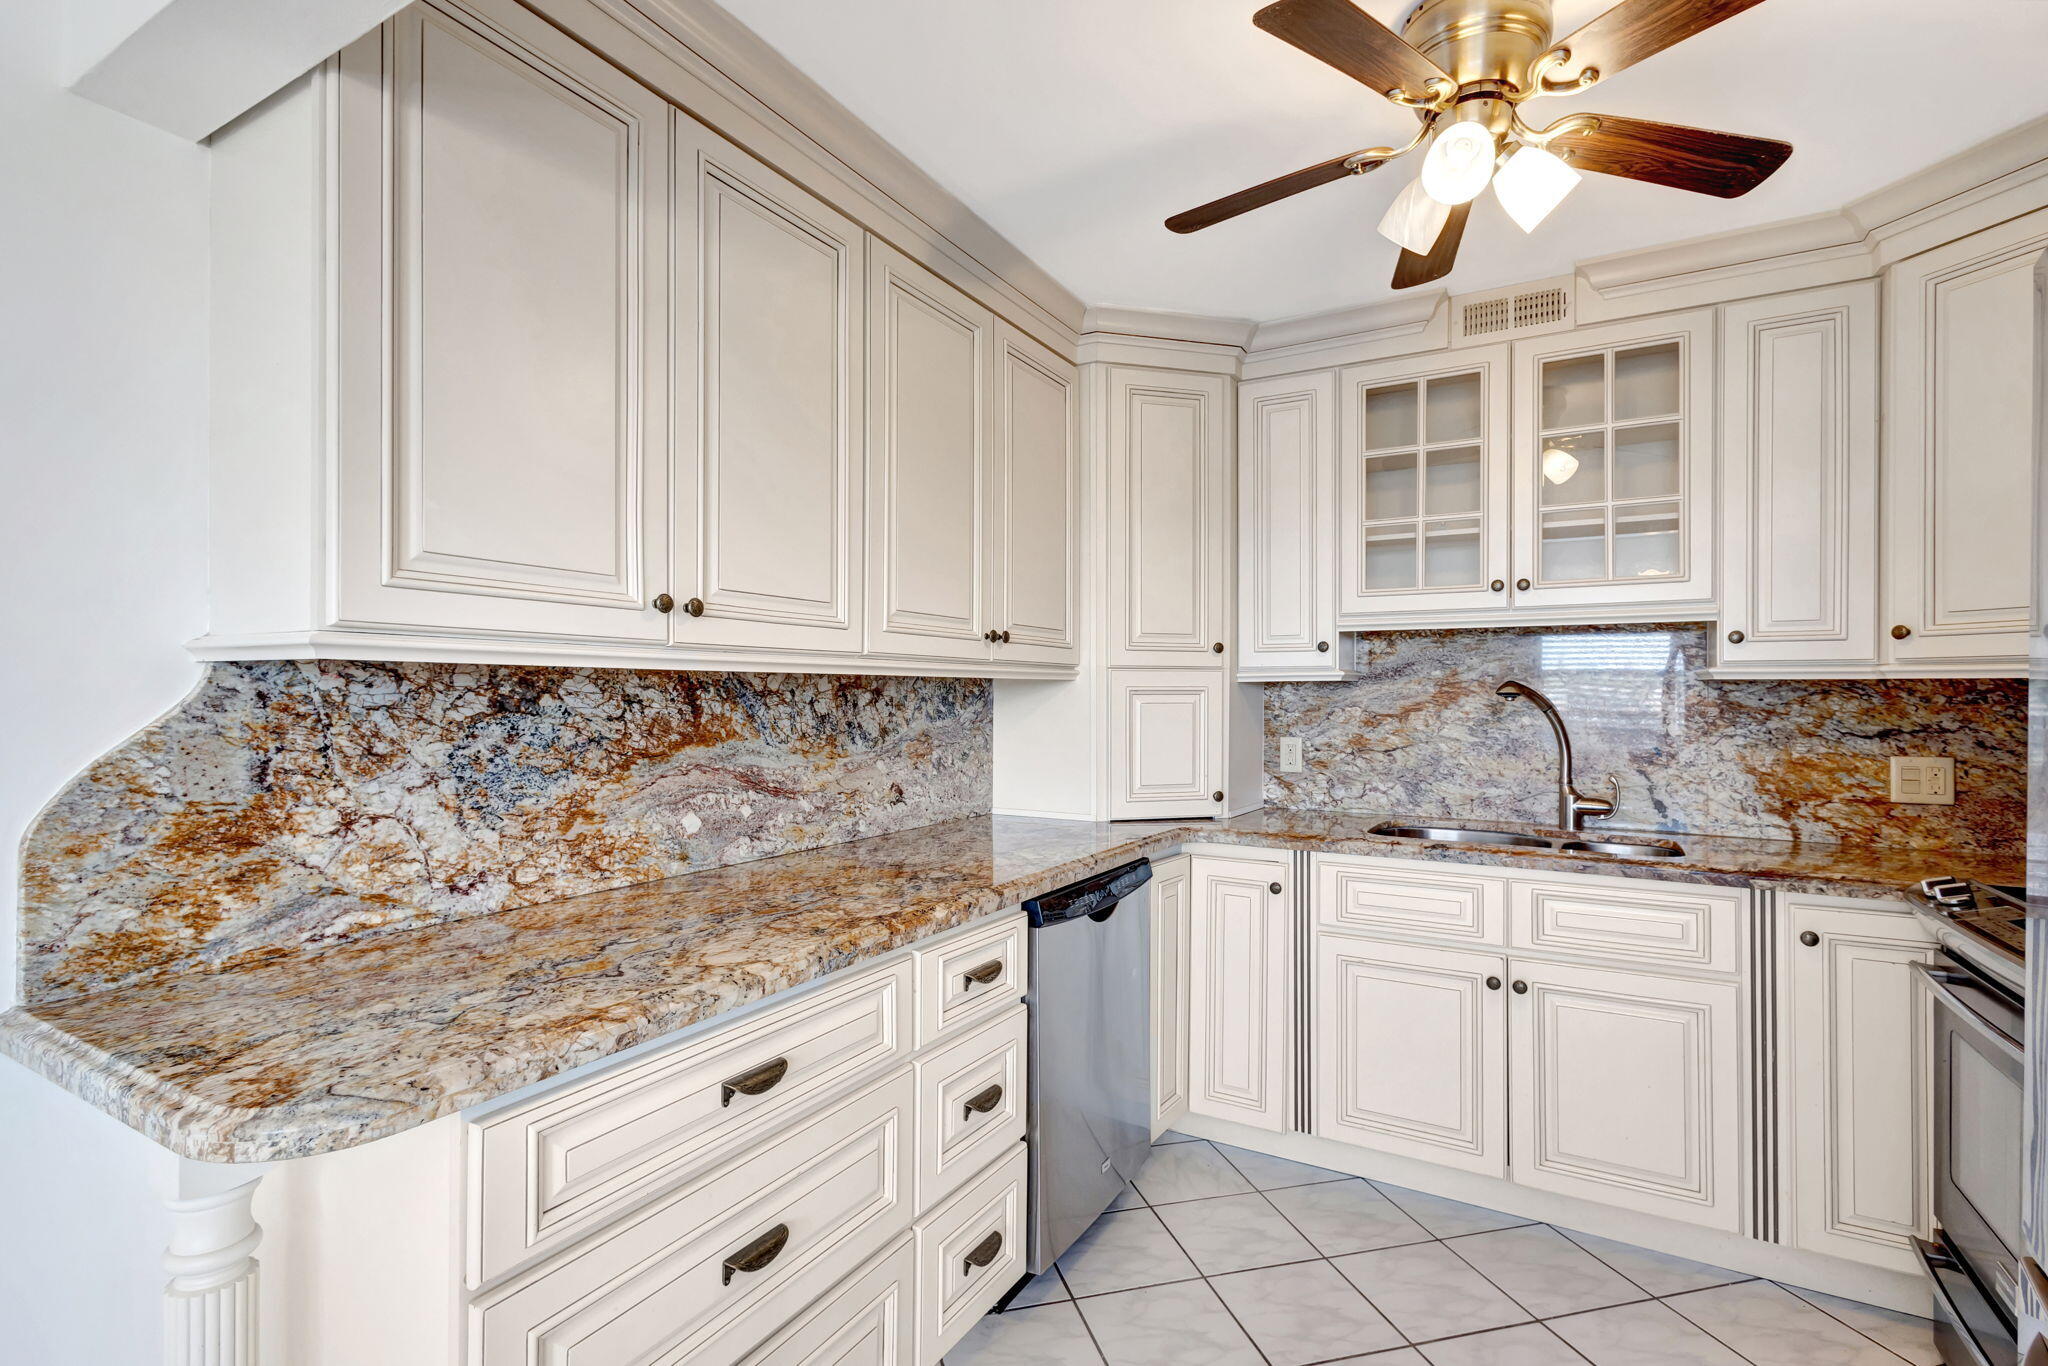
870,1320
1695,927
971,976
969,1252
662,1286
970,1104
1385,896
546,1172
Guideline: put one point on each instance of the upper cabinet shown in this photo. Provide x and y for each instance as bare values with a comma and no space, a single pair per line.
514,361
1286,490
1169,508
1958,461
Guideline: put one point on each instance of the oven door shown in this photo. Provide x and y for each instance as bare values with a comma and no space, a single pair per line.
1979,1108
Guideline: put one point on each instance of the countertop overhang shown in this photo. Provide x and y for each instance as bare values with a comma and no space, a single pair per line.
335,1046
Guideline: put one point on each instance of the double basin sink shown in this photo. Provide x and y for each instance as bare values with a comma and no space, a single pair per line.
1556,844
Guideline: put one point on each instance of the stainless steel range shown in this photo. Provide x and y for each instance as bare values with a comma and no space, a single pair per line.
1979,996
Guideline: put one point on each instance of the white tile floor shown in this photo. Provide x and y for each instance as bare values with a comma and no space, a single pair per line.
1222,1257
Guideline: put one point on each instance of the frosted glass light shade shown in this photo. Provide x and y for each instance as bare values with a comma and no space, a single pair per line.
1459,164
1414,220
1559,465
1531,184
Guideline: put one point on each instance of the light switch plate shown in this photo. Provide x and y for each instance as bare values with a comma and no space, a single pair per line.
1929,782
1290,754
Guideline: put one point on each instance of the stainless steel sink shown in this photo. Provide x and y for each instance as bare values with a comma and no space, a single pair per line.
1466,834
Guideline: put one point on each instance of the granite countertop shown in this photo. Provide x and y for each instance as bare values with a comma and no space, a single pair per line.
354,1041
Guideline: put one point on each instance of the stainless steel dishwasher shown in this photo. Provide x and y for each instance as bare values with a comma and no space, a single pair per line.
1091,1018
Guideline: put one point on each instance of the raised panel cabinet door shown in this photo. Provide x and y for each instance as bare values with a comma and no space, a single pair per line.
1286,542
1165,743
1169,461
1423,489
1799,476
1614,477
1170,917
770,306
503,353
1626,1088
1855,1061
1241,993
1410,1047
1958,479
1035,591
931,365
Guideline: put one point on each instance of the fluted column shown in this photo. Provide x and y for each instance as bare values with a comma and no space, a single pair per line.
210,1304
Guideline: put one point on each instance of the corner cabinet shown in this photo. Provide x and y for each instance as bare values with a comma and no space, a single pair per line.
1287,506
1169,511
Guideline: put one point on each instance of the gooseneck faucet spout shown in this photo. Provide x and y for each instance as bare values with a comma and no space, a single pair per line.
1574,808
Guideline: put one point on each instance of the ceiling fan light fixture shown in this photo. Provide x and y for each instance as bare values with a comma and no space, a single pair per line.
1415,219
1531,183
1559,464
1460,162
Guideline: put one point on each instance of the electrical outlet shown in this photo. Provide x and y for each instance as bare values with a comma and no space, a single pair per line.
1930,782
1290,754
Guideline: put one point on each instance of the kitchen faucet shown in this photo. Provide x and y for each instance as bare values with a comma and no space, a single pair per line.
1574,808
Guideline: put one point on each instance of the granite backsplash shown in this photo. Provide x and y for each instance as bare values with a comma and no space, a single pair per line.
286,804
1421,733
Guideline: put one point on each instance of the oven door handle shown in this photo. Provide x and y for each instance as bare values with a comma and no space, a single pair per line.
1943,982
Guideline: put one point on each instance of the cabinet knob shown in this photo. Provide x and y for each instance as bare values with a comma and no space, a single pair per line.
1809,938
1901,632
1522,585
663,603
695,607
1499,585
1003,636
1521,988
1322,647
1215,796
1493,984
1217,648
1273,887
1736,637
991,636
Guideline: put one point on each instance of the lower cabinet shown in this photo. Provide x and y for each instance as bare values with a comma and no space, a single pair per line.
1854,1053
1241,990
868,1321
1169,992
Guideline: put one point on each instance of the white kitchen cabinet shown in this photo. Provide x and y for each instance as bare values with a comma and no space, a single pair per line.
1287,501
1169,980
1036,587
1423,488
1410,1049
1166,743
931,462
769,396
1958,460
1614,465
1241,991
502,452
1799,479
1626,1088
1854,1060
1169,502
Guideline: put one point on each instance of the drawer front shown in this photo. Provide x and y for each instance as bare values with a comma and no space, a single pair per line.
870,1320
971,977
1677,926
547,1172
970,1104
698,1277
969,1252
1380,896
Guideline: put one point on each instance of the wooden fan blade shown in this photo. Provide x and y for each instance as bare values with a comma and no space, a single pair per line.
1360,46
1726,165
1635,29
1412,270
1258,196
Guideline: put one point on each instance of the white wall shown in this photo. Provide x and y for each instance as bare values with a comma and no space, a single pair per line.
102,521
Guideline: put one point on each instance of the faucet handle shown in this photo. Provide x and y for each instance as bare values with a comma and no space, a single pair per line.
1600,808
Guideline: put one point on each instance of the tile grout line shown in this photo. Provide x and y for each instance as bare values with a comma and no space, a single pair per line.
1839,1319
1200,1274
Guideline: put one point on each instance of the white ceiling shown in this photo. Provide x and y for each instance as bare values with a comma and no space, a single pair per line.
1075,126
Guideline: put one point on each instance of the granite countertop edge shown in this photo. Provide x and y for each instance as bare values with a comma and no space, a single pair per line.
303,1103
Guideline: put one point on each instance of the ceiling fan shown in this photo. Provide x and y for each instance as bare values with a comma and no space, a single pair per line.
1466,67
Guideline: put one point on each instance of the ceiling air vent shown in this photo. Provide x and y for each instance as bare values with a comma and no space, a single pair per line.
1522,311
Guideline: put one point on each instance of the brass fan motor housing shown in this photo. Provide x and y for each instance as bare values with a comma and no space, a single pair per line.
1495,41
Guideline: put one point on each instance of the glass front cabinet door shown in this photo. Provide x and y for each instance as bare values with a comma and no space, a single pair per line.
1613,476
1422,481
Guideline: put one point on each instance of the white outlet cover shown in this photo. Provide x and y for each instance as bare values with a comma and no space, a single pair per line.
1924,781
1290,754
